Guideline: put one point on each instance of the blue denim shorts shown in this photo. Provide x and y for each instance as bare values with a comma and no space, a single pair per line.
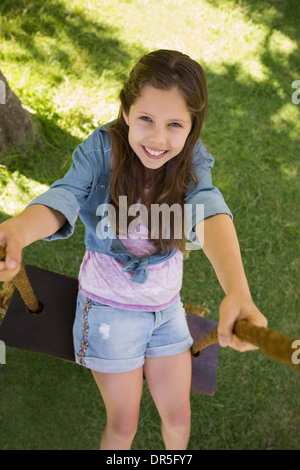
110,339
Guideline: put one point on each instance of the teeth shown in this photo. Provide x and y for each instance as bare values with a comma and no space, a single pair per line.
154,152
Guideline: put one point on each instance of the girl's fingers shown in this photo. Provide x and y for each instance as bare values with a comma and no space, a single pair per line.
240,345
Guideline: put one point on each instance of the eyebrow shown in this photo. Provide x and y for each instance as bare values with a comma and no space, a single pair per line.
172,120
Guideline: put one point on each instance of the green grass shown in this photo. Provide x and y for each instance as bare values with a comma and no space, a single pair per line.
66,60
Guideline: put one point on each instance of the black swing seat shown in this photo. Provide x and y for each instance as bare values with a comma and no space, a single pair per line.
50,332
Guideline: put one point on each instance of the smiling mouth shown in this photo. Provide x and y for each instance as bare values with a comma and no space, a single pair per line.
154,153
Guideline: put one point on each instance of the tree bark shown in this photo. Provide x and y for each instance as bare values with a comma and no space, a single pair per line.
16,125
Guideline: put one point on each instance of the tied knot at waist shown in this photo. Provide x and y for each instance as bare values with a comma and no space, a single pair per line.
139,267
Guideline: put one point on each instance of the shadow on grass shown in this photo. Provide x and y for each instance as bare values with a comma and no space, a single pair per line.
47,162
27,23
279,15
91,39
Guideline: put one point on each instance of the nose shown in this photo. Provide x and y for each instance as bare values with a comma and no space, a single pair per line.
158,135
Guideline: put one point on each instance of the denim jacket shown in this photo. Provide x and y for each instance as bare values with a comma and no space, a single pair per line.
85,188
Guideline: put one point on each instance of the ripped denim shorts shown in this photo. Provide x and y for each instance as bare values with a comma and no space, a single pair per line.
110,339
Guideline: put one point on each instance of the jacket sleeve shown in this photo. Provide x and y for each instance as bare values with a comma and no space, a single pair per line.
69,194
204,200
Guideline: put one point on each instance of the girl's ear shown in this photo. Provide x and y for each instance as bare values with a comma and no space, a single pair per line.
125,117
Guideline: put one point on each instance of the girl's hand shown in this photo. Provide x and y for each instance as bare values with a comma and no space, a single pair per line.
10,239
236,307
34,223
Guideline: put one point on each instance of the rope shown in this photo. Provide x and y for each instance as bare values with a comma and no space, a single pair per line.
6,294
274,345
21,282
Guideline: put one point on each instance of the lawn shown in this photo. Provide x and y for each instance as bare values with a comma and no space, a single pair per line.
66,60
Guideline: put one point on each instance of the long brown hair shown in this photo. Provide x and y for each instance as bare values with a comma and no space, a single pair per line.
162,69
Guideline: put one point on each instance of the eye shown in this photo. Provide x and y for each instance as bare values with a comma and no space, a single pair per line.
175,124
145,118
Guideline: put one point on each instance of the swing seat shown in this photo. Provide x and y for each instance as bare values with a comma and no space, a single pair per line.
50,331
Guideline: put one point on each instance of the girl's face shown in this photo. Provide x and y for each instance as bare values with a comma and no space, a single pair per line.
159,124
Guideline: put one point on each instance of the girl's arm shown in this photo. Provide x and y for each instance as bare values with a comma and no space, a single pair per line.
221,246
34,223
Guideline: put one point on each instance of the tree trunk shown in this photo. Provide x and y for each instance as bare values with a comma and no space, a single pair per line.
16,125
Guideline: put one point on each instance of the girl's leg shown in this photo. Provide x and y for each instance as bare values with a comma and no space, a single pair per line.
121,393
169,382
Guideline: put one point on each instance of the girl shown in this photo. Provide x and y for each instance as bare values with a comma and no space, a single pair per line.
130,321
